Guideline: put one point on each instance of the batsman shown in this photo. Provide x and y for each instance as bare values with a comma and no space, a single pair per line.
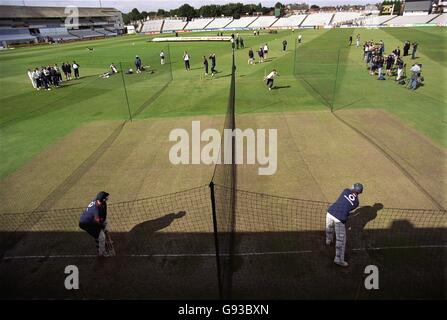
336,218
94,221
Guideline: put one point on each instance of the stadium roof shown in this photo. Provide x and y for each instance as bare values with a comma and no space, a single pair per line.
418,5
12,12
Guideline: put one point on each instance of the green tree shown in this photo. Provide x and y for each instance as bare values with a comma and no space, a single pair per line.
187,11
161,13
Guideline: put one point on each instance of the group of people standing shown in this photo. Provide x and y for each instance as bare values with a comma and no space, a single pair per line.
375,58
393,64
263,53
51,76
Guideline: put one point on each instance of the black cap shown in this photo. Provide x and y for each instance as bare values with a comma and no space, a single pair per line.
102,196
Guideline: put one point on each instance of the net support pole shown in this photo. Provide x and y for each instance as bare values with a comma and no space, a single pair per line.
170,62
294,58
125,91
335,81
216,239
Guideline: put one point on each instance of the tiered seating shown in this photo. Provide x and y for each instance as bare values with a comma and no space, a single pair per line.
407,20
219,23
263,22
174,25
85,33
198,24
442,19
57,33
105,32
152,26
318,19
241,23
376,20
289,22
12,34
341,17
55,23
99,22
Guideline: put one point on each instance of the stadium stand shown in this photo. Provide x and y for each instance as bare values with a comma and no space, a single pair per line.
289,22
341,17
441,20
152,26
24,24
105,32
243,22
15,35
376,20
417,7
410,20
57,33
263,22
42,23
173,25
318,19
219,23
198,24
85,33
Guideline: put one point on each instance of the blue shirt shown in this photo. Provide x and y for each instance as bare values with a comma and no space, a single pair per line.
93,214
346,202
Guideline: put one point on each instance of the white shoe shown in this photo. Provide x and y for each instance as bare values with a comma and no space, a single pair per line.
341,263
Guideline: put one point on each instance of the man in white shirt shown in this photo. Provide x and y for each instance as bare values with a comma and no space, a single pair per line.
415,74
299,38
270,78
186,60
76,69
266,51
162,57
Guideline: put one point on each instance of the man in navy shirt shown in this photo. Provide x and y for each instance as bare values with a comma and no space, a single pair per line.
94,221
336,218
138,64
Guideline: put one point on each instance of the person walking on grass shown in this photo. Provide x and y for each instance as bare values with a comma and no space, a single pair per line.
186,59
205,65
336,218
213,64
137,64
76,69
251,56
162,57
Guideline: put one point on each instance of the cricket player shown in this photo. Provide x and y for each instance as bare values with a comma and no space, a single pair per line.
270,78
162,57
94,221
336,218
138,64
213,64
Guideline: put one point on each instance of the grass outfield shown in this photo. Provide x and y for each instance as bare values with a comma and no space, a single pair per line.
30,121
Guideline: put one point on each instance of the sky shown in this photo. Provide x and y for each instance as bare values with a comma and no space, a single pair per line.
151,5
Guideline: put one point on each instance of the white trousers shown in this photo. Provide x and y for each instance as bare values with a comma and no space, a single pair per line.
334,225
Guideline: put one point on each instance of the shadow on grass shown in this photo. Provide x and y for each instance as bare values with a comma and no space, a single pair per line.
172,255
